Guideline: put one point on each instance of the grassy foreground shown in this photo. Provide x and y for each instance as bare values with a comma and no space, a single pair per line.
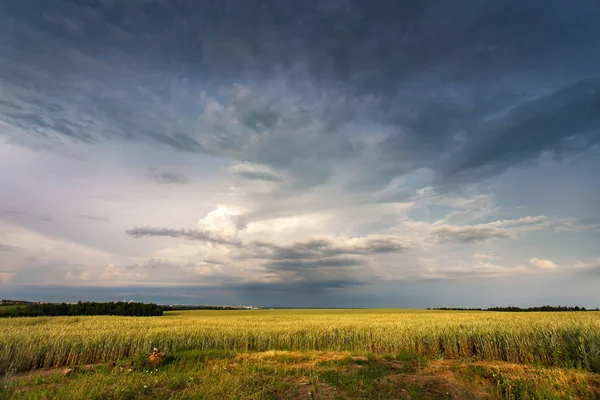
289,353
226,374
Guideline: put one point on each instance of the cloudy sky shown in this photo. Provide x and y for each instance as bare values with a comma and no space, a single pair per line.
301,153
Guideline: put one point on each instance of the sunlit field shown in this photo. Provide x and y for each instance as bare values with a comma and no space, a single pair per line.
550,339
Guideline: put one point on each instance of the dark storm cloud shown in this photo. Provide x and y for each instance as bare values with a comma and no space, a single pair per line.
564,121
294,265
319,249
466,88
322,263
321,274
296,287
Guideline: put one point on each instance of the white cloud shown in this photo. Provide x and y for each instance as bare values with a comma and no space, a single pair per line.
542,264
224,222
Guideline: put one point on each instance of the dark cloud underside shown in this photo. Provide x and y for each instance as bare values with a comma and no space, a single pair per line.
432,73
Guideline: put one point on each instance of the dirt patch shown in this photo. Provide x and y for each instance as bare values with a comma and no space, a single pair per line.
399,381
299,359
307,390
435,382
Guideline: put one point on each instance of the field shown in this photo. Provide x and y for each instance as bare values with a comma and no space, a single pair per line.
300,353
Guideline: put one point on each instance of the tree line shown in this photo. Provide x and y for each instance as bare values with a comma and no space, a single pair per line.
542,308
83,308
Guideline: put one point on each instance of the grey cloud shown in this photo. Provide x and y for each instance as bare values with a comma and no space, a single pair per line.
565,121
14,212
19,215
295,287
296,265
47,123
322,261
580,224
165,177
190,234
469,234
5,247
494,230
10,104
315,261
378,43
311,249
155,263
325,248
257,176
591,269
428,72
595,271
177,140
95,218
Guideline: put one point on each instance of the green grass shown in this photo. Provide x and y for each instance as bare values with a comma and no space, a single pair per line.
226,374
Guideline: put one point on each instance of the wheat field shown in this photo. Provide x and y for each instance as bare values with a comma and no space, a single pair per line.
565,339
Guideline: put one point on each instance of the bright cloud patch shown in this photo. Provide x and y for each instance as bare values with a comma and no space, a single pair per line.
224,222
542,264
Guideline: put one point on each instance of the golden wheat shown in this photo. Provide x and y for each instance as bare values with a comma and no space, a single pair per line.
553,339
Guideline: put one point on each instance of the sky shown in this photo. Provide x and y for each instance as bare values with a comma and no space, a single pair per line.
301,153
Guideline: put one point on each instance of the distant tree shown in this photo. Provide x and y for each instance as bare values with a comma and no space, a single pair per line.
84,308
